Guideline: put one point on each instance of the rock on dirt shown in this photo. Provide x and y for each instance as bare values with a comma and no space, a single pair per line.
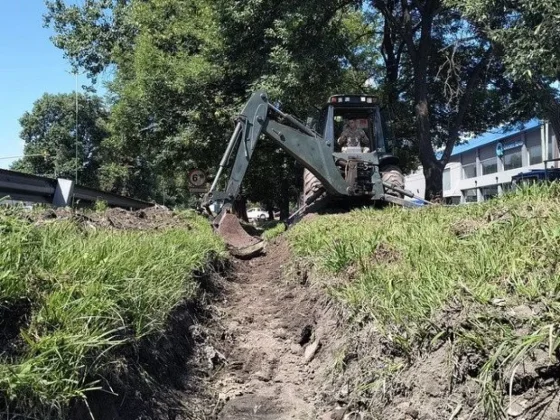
311,350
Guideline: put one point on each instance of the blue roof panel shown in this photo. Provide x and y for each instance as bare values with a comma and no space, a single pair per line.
495,135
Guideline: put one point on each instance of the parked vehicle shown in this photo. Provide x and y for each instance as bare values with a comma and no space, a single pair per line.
256,213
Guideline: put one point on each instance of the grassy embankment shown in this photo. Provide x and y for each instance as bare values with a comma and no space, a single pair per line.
403,269
78,295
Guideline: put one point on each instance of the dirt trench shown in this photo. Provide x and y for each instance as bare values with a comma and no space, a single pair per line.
274,331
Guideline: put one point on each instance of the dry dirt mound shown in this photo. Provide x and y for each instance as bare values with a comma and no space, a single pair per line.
151,218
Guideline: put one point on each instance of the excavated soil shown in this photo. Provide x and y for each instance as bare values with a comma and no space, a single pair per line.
151,218
274,332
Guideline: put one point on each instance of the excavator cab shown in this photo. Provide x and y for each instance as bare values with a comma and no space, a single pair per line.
364,110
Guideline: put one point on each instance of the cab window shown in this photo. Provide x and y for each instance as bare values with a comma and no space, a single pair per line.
364,121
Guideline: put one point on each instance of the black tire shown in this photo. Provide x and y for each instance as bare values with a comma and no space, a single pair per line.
311,186
393,175
262,217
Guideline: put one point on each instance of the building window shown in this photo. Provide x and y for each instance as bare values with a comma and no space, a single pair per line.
470,196
512,159
446,180
535,154
469,171
490,192
489,166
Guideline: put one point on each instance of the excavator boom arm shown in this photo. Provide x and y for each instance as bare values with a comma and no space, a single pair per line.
303,144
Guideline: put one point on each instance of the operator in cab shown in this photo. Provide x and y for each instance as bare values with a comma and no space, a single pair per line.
352,136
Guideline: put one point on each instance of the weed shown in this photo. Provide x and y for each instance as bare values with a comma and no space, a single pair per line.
100,206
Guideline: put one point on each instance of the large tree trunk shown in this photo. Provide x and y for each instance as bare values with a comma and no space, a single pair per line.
552,111
284,201
434,181
420,56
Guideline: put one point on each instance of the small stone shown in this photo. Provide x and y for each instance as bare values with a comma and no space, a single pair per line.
515,409
214,357
311,351
344,391
353,416
338,413
295,348
222,397
499,302
280,334
412,412
261,376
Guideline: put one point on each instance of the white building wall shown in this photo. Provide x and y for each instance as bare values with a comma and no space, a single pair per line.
415,182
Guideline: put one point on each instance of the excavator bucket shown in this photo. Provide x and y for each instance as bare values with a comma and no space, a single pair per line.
239,242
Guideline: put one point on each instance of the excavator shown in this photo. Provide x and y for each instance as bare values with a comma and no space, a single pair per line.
336,170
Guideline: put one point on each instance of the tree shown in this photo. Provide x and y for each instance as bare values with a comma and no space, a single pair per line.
49,134
93,34
184,68
525,34
437,66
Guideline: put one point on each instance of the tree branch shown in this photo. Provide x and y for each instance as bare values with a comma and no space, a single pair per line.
464,104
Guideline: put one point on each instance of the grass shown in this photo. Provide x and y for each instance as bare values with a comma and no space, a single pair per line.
409,266
89,292
273,230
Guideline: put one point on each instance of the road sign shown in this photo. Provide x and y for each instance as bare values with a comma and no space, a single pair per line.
197,181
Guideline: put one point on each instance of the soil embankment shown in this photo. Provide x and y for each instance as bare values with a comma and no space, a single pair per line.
274,330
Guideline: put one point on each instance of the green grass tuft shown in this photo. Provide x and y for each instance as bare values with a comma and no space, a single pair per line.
410,265
273,230
90,291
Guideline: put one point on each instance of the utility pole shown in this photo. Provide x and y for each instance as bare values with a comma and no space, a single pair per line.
76,175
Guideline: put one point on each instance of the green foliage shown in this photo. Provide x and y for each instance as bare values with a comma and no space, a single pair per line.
527,30
49,134
104,21
89,293
409,266
100,206
524,36
185,68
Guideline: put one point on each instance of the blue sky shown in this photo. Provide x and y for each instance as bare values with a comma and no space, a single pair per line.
30,65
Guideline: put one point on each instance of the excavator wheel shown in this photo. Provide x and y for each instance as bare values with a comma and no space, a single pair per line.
393,175
314,194
311,186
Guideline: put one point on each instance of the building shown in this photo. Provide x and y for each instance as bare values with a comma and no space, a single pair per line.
482,167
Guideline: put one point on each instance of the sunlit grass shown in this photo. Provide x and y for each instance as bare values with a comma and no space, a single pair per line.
410,265
90,291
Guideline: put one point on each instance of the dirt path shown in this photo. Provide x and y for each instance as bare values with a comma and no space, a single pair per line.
269,324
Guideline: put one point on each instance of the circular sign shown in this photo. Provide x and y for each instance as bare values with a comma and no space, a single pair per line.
197,178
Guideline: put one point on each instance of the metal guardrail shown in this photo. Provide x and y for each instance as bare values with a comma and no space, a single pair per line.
19,186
